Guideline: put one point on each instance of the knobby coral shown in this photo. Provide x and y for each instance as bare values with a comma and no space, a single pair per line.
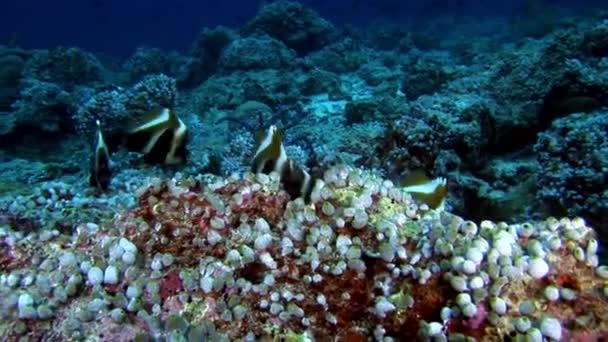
236,258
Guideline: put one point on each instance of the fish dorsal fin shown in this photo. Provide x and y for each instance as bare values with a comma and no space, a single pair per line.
270,144
174,121
275,151
100,143
156,119
276,135
417,177
277,141
99,134
98,126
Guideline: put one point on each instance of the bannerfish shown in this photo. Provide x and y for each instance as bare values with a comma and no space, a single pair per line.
426,190
297,182
100,166
270,153
270,156
161,136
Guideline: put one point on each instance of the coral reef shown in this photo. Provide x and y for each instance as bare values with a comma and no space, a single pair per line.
270,86
345,55
12,62
117,107
204,56
450,106
42,105
209,251
573,164
290,22
146,61
435,124
253,53
425,78
596,40
234,258
379,108
52,84
67,66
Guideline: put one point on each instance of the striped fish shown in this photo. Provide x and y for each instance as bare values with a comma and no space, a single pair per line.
426,190
270,153
161,136
270,156
297,182
100,166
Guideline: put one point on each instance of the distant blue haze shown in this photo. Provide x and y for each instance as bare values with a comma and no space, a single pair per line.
117,27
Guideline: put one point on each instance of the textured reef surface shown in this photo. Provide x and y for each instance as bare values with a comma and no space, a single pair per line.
222,259
514,121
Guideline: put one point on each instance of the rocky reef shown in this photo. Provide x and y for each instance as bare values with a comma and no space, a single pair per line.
514,120
234,258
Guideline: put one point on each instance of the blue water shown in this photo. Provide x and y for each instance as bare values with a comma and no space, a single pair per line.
117,27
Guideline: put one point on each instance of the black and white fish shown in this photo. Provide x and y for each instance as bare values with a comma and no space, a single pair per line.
270,156
270,153
161,136
297,182
426,190
100,165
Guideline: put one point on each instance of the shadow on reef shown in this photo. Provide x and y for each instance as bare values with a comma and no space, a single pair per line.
29,142
570,98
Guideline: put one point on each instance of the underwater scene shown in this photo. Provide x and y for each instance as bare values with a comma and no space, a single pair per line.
345,170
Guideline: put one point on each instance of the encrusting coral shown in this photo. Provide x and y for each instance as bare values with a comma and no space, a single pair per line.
235,258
